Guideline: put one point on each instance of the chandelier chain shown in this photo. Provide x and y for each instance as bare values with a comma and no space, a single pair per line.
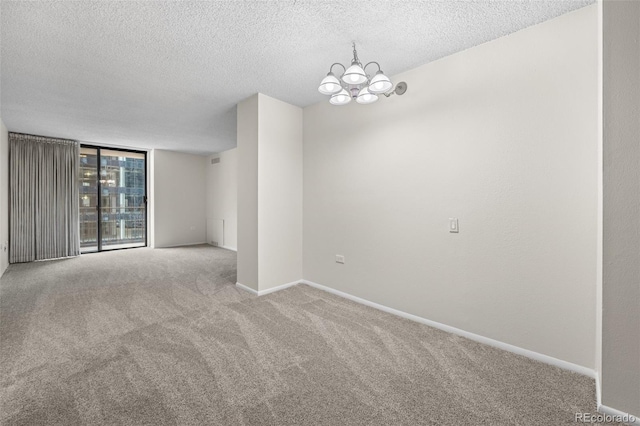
355,55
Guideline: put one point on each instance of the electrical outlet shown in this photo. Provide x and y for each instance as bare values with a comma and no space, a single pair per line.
339,258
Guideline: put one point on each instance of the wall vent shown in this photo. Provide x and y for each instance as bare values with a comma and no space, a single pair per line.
215,160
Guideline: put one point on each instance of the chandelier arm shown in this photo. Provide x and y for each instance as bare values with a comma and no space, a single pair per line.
337,63
372,62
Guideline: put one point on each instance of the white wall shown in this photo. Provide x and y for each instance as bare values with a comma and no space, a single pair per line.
600,236
247,136
621,265
279,192
269,193
4,198
179,204
151,199
502,136
222,195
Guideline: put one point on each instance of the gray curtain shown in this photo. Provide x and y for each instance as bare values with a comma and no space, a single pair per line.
43,200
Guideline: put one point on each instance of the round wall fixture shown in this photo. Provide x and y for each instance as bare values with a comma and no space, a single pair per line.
401,88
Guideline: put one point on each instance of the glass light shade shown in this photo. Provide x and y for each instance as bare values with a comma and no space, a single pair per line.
380,83
329,85
366,97
354,75
340,98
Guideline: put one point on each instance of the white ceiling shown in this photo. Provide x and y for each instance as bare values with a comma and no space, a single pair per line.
168,74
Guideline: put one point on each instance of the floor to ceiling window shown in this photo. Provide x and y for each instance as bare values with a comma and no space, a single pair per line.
113,199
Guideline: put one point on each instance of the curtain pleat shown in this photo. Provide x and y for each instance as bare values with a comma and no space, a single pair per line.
44,220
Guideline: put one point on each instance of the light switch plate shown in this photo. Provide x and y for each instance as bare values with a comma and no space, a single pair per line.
339,258
453,225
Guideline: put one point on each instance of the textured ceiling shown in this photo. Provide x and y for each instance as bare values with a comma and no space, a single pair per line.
168,74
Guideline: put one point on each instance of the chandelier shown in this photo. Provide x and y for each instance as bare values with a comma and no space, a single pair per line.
355,83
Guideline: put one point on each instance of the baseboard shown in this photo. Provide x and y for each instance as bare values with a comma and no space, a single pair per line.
228,248
268,290
598,391
181,245
565,365
618,415
245,288
278,288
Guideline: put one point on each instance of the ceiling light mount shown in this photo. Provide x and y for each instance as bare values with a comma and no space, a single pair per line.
355,83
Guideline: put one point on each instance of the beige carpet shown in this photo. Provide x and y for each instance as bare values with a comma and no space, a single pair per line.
159,337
